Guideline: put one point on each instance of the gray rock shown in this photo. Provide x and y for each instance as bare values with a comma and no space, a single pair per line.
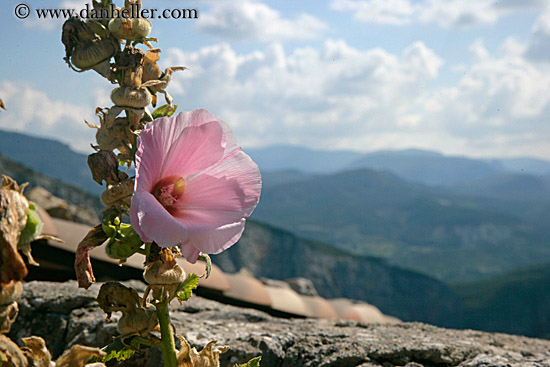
65,315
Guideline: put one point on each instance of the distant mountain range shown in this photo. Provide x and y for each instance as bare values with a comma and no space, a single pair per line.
516,302
433,230
411,164
49,157
493,220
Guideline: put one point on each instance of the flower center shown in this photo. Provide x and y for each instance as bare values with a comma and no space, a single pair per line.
168,191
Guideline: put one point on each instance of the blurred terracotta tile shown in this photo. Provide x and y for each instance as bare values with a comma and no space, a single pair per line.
369,313
286,300
345,310
319,307
244,287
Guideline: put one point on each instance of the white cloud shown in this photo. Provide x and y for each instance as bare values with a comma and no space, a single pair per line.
310,96
32,111
458,13
249,19
377,11
445,13
500,105
343,97
539,48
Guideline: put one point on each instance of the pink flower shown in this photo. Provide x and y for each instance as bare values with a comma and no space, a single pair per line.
195,187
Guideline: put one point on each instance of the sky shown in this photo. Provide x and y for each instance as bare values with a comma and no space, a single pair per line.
461,77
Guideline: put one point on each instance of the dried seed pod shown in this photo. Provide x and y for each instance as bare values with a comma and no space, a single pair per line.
139,321
114,296
164,271
84,49
164,276
127,96
130,63
119,194
151,71
132,29
89,55
104,166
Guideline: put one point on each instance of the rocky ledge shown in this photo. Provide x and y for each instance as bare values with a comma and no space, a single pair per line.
64,315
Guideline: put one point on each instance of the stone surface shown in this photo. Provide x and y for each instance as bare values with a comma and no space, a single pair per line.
65,315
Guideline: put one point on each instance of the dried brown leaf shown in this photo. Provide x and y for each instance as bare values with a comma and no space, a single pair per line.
78,355
208,357
10,351
82,263
13,217
36,352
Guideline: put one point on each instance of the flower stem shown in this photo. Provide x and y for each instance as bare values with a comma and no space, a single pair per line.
168,346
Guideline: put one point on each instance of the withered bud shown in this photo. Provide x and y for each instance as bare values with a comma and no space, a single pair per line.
119,194
104,166
131,63
165,270
128,96
151,71
84,49
114,296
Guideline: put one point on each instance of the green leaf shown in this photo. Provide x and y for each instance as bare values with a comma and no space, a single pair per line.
116,350
185,289
208,260
33,227
254,362
164,111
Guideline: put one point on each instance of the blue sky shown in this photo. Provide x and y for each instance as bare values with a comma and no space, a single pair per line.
463,77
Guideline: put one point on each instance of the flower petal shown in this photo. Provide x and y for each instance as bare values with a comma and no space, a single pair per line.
190,252
180,145
200,117
218,240
197,148
223,193
153,223
218,200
